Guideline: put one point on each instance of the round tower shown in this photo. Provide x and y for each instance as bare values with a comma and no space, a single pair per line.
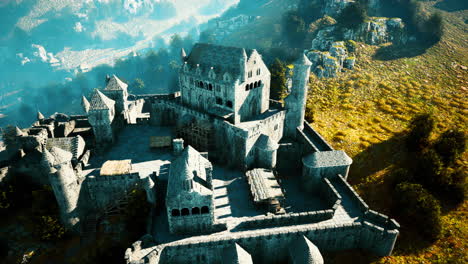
295,102
64,183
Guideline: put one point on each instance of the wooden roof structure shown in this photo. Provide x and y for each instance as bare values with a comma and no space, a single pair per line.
116,167
263,185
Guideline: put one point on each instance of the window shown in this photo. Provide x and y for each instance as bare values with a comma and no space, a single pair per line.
201,84
259,83
251,86
259,71
219,101
247,87
185,211
276,127
175,212
210,87
205,210
195,210
229,104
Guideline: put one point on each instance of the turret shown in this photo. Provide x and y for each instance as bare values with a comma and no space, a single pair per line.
243,66
183,55
40,116
101,115
295,102
64,183
85,104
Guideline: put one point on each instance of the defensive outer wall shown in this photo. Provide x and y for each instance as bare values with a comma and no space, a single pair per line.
348,224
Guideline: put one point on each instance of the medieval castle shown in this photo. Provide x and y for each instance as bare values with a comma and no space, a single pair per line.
247,180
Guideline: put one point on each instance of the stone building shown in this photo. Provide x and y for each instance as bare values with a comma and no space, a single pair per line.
222,110
189,199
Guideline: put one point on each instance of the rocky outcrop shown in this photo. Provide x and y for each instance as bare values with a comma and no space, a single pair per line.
378,30
333,7
330,63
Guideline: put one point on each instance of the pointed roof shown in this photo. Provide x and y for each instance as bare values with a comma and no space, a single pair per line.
303,60
303,251
183,54
40,116
100,102
18,131
235,254
189,165
85,103
56,156
115,84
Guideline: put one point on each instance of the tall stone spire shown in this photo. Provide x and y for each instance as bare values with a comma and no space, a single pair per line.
295,102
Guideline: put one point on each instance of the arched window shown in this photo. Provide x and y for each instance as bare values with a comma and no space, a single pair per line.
205,210
185,211
247,87
251,86
175,212
229,104
219,101
259,83
195,210
201,84
256,85
210,87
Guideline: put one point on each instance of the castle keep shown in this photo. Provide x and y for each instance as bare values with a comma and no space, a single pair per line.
247,179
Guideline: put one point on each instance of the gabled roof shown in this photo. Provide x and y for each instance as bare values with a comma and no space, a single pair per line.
331,158
100,102
221,58
303,251
115,84
235,254
190,165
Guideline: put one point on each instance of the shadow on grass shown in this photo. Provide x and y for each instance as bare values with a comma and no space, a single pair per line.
378,157
394,51
452,5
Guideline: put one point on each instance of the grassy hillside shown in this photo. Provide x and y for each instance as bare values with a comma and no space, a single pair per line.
366,111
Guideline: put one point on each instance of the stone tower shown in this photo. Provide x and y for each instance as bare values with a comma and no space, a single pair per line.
295,102
117,91
100,115
64,182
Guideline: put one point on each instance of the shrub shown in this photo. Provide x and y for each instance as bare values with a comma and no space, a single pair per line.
450,145
352,16
419,208
453,186
420,129
429,169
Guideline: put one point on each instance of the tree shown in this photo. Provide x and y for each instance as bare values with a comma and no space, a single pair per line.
175,45
450,145
294,28
352,16
419,208
139,85
278,80
420,129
